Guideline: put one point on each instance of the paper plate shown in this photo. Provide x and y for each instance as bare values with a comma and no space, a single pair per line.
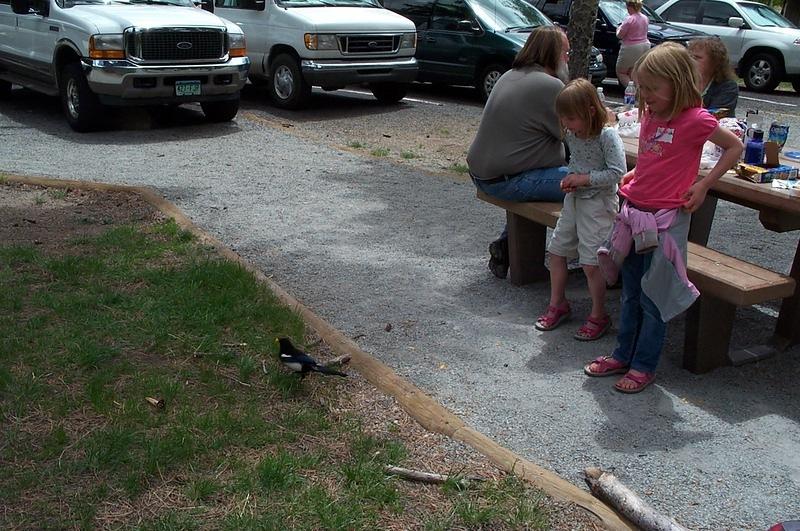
794,155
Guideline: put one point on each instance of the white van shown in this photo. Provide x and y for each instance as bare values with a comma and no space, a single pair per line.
296,44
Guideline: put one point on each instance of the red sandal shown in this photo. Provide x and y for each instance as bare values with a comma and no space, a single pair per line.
593,329
552,317
640,381
606,366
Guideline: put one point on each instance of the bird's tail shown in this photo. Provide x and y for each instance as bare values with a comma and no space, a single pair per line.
326,370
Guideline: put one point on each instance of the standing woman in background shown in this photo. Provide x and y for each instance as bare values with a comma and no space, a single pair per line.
632,34
718,84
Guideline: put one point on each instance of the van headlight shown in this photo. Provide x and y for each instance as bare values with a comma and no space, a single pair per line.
409,40
320,41
106,46
237,45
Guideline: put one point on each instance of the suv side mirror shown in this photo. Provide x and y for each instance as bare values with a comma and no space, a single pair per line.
468,25
205,5
735,22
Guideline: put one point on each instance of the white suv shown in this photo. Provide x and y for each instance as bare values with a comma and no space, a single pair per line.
763,46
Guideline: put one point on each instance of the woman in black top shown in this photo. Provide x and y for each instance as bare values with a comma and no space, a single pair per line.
717,80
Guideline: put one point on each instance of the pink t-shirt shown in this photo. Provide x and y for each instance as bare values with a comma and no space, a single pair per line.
669,158
633,29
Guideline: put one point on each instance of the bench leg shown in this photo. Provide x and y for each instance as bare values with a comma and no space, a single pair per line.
787,331
709,324
527,241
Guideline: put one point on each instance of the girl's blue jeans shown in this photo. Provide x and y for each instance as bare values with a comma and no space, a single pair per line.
641,329
540,184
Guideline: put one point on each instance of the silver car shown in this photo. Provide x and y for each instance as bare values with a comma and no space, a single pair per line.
763,45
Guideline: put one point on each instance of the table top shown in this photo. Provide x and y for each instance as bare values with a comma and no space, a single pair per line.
731,187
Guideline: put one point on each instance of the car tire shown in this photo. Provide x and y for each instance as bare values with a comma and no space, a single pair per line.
388,93
487,78
762,72
287,88
5,89
220,111
81,106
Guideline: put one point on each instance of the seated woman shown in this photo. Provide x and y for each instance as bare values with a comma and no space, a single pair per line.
717,81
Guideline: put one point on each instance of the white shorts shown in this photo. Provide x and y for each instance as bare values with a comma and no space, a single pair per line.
583,226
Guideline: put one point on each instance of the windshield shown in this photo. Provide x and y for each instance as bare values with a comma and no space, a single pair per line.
509,15
184,3
616,12
328,3
764,16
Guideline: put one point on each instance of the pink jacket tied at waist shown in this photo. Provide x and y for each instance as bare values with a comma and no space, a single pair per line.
641,229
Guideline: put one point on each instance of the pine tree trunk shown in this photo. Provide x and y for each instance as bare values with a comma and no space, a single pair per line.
791,10
581,32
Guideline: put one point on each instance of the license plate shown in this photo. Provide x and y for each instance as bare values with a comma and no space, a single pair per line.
187,88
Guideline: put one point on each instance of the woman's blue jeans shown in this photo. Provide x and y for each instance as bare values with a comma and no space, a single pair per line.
641,329
541,184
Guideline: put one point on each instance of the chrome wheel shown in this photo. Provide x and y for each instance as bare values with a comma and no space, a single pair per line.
283,80
489,81
73,99
760,73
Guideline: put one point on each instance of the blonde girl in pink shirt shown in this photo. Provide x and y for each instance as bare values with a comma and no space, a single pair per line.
660,193
632,34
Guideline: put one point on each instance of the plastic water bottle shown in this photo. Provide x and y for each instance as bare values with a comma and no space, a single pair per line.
601,95
630,95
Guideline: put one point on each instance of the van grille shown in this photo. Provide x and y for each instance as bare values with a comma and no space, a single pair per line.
369,43
175,44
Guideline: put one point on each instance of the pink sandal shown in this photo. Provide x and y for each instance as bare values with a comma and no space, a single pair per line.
606,366
552,317
593,329
640,382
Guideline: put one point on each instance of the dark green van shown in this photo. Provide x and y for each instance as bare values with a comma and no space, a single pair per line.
472,42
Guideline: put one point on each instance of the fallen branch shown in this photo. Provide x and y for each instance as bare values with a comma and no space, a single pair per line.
339,360
607,487
428,477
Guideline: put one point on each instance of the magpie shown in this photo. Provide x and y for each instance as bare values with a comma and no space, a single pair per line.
299,361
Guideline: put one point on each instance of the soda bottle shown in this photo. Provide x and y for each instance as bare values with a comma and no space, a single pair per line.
630,95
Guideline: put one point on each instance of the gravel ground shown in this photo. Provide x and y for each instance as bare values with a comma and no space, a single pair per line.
367,242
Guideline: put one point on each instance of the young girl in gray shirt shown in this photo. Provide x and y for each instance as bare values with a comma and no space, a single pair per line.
597,162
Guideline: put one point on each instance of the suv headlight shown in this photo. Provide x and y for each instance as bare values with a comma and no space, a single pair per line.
106,46
409,40
796,41
320,41
237,45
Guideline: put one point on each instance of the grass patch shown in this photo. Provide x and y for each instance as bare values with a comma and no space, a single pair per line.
380,152
408,155
137,312
459,168
355,144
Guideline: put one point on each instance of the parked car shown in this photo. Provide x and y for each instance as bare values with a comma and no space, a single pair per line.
763,45
610,14
473,42
122,52
297,44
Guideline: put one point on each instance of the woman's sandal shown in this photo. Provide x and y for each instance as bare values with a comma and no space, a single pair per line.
606,366
640,381
552,317
593,329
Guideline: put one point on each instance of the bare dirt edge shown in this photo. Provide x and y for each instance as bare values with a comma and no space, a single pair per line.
431,415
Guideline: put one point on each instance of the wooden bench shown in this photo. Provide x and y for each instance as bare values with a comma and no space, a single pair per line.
724,282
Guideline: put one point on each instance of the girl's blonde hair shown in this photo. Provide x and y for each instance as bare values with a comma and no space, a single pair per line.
671,62
579,99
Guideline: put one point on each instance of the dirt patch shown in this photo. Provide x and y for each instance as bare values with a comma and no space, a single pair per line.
51,218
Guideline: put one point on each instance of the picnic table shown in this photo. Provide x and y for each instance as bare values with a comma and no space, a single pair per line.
725,282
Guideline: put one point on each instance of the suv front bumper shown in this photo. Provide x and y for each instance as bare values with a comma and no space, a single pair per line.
122,82
331,73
